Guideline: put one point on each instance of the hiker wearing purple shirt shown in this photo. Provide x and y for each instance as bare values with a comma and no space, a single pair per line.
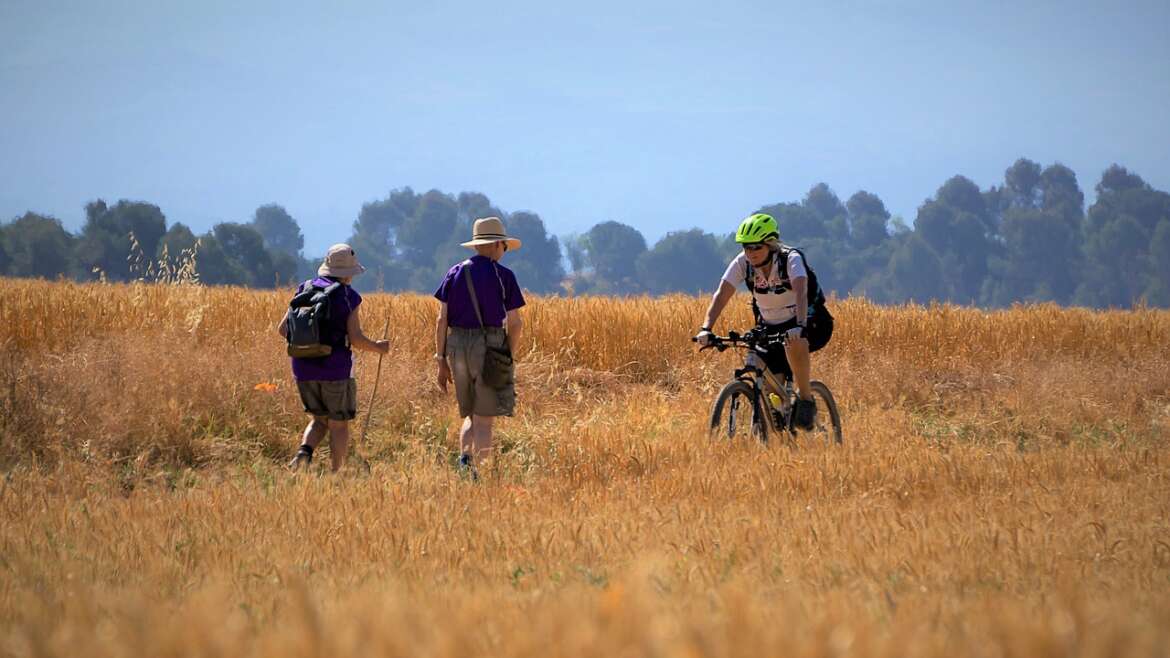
461,341
326,384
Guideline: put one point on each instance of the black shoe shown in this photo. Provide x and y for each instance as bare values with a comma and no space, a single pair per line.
805,412
301,460
466,468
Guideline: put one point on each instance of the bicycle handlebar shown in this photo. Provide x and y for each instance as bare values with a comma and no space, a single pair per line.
750,339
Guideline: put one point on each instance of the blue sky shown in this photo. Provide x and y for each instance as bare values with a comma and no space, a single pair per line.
662,115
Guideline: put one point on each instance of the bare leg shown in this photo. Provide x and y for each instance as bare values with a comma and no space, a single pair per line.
797,353
466,438
338,442
315,431
481,431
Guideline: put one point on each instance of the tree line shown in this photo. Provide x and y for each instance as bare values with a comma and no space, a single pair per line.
1029,239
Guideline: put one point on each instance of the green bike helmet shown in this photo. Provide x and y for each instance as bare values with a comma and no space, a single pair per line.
757,228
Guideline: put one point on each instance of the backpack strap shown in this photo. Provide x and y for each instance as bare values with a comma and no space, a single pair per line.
474,300
816,296
339,335
749,281
503,290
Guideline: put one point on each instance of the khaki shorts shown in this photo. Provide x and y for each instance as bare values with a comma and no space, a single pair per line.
334,400
465,352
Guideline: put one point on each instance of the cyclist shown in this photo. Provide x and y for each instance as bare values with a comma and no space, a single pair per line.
785,300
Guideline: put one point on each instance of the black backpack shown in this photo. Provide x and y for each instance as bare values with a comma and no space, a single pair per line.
816,297
310,333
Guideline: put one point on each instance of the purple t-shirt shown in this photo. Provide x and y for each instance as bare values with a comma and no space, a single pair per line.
490,278
338,366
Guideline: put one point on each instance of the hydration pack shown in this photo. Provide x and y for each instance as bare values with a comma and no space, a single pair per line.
310,332
816,297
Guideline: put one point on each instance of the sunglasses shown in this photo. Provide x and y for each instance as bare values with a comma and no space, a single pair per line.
754,247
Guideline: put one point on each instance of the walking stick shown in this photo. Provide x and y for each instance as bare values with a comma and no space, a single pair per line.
373,396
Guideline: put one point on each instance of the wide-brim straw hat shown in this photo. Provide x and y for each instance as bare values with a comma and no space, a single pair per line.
340,261
488,230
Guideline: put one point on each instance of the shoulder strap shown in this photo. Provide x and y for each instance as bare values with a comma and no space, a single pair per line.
749,281
471,291
816,296
503,291
784,253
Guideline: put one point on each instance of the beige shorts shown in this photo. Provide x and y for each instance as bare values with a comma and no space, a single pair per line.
334,400
465,352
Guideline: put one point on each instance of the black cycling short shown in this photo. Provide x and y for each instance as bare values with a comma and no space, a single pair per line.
818,331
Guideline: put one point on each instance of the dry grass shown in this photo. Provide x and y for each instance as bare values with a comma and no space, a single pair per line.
1003,489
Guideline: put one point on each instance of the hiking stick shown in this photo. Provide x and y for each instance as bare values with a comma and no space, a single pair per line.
374,393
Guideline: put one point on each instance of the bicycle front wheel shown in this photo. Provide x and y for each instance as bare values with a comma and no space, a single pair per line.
737,413
827,428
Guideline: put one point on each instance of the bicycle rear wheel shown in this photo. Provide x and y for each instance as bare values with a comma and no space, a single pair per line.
737,413
827,428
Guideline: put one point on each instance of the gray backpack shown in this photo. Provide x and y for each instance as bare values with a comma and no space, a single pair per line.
310,332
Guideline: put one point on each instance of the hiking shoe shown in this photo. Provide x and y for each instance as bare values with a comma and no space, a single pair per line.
466,468
805,414
300,460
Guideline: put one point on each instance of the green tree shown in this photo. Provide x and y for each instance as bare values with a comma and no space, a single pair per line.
475,205
613,249
1040,216
1039,258
1118,231
234,254
433,223
177,239
1022,183
1158,290
538,262
682,261
37,246
278,229
915,272
1117,265
957,227
797,223
375,238
105,238
215,267
1061,194
867,220
822,201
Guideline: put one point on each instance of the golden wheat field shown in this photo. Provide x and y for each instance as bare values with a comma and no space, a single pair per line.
1003,488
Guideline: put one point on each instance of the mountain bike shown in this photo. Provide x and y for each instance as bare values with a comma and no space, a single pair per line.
757,401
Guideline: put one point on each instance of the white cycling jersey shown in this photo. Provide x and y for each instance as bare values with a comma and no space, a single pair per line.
776,300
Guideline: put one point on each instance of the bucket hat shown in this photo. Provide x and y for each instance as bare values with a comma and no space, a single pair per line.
488,230
340,261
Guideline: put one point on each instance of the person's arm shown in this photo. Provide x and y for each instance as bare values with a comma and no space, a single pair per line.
282,326
358,340
800,287
515,326
444,374
718,302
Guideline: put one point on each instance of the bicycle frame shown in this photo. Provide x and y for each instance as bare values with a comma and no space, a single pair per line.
764,382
